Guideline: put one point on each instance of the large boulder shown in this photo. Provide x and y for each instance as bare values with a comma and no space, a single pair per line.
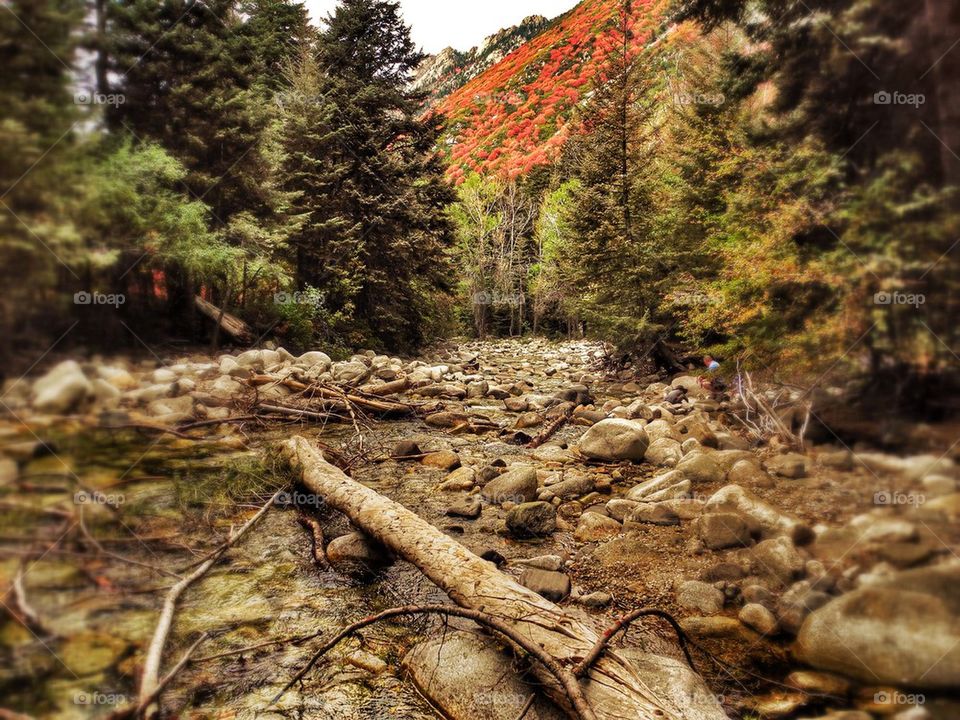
615,439
904,631
518,485
354,553
462,674
62,389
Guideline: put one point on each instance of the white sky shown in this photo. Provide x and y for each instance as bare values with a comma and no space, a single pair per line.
460,24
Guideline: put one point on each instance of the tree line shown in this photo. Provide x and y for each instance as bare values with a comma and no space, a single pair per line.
776,185
160,150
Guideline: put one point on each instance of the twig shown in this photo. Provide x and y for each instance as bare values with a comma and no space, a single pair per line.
151,670
21,609
526,706
563,676
143,704
148,428
316,539
551,429
583,667
214,421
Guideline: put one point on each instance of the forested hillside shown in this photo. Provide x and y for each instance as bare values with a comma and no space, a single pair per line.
694,176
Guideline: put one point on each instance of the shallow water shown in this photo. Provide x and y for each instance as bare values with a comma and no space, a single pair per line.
174,500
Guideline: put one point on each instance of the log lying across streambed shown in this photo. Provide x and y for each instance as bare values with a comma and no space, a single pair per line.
613,688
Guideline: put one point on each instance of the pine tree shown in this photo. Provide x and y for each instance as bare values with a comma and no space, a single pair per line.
277,31
36,134
185,72
378,229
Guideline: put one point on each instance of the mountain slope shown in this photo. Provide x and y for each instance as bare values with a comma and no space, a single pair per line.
449,70
516,115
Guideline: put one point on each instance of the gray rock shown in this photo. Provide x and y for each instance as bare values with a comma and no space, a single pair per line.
663,487
459,480
904,631
700,468
469,507
354,553
619,508
532,519
664,452
756,617
314,359
675,684
544,562
462,674
615,439
700,596
723,530
749,472
596,600
763,518
518,485
777,558
653,514
797,603
554,586
791,465
62,389
593,527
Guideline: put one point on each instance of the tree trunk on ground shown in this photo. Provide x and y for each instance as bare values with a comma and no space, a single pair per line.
613,687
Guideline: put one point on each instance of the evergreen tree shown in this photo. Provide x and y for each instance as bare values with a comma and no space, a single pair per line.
185,72
377,229
37,124
277,31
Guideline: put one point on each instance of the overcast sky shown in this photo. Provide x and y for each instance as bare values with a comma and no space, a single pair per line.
460,24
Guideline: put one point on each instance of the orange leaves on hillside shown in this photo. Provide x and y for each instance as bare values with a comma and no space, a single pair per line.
513,117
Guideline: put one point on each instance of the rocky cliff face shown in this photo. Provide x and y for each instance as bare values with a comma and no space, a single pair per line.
449,70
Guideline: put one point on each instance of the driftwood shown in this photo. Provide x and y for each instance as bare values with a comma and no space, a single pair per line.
612,687
550,430
230,324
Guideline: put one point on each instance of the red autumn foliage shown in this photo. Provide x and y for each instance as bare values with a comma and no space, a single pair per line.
513,117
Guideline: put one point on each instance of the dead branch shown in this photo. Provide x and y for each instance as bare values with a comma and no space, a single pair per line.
133,711
20,608
150,680
624,622
312,526
562,675
550,430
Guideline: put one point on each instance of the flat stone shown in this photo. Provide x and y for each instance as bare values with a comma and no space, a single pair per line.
532,519
443,459
723,530
554,586
700,596
791,465
594,527
461,479
469,507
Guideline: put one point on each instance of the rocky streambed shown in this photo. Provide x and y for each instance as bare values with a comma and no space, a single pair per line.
814,584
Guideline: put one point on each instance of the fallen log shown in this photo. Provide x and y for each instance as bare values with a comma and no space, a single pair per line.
230,324
614,689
